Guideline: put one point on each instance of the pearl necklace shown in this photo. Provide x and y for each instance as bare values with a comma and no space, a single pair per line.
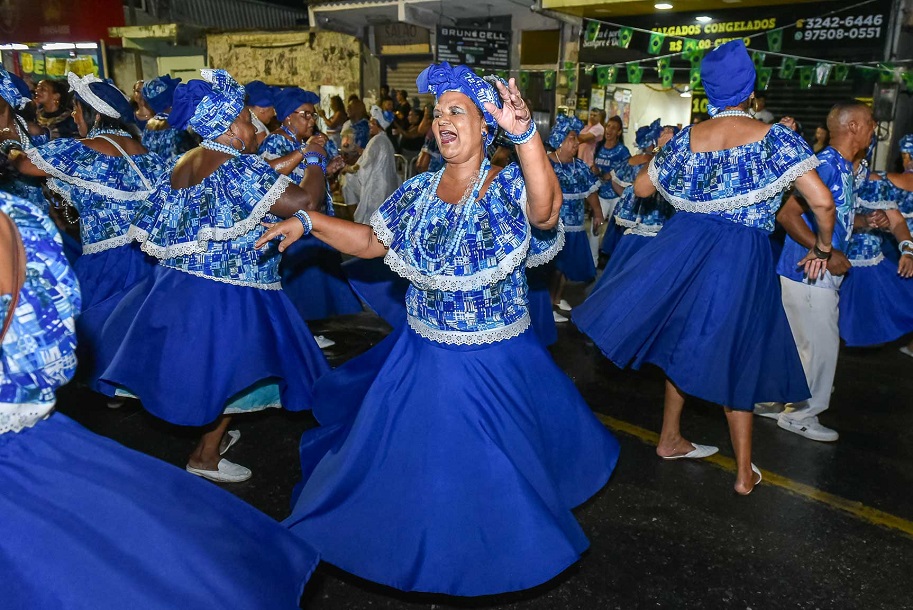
94,133
420,228
219,147
726,113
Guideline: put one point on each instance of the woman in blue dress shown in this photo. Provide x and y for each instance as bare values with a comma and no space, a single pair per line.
450,455
876,295
578,188
621,179
19,134
700,300
904,195
158,134
231,340
88,523
611,156
311,273
104,176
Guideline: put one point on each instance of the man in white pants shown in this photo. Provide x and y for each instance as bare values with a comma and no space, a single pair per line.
811,303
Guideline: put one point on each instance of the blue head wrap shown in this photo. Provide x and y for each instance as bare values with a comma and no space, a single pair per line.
906,144
437,79
290,98
101,96
159,92
728,75
260,94
13,90
564,124
675,129
646,137
209,106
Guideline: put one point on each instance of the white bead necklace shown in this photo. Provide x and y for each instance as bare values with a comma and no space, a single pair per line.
726,113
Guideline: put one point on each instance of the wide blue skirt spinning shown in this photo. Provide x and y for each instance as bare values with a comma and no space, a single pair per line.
379,287
876,305
627,246
187,346
612,234
450,469
89,524
575,260
541,310
702,302
313,280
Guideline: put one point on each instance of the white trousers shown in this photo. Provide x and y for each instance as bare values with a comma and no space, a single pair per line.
812,313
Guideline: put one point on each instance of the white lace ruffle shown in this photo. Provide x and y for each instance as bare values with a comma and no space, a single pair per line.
546,256
868,262
907,214
449,283
35,157
624,222
208,234
17,417
884,204
618,180
574,228
480,337
644,230
225,280
107,244
736,201
575,196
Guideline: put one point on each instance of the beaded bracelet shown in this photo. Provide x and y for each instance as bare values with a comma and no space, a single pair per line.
313,158
823,255
903,244
524,137
9,145
305,219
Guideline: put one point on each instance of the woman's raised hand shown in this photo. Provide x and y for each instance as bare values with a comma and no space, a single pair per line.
514,116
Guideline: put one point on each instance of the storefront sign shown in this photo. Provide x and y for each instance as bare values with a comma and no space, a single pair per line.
812,30
402,39
489,49
26,21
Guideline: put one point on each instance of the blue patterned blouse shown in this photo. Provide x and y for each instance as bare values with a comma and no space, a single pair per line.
577,183
168,143
609,160
742,184
865,245
26,187
209,229
651,214
38,352
362,132
465,263
904,200
104,189
276,145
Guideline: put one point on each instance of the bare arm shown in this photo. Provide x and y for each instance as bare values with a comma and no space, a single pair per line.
598,218
286,163
543,193
308,196
24,165
346,236
901,233
643,186
821,203
790,217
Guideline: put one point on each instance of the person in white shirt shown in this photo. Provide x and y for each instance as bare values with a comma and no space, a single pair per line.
369,182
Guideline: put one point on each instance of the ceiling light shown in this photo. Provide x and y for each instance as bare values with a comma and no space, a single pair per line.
58,46
703,18
663,6
686,92
13,47
86,45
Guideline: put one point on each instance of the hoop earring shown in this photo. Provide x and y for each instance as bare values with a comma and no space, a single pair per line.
232,139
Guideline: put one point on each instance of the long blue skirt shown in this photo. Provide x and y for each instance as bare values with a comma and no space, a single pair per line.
540,303
91,525
876,305
450,469
702,302
379,287
575,260
187,346
104,279
313,280
628,245
610,238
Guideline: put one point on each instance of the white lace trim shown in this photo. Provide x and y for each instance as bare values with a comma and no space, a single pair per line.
574,196
574,228
64,193
644,230
35,157
81,86
450,283
624,222
479,337
736,201
209,234
618,180
17,417
225,280
541,258
107,244
884,204
867,262
907,214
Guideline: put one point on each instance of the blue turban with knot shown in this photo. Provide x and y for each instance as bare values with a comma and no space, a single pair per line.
208,106
564,124
101,96
159,92
13,90
259,94
906,144
645,138
437,79
289,99
728,75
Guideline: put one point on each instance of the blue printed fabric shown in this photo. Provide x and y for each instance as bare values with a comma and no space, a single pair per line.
628,204
651,214
38,351
362,132
865,245
577,182
904,200
608,160
430,148
742,184
168,143
465,263
104,189
276,145
209,229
